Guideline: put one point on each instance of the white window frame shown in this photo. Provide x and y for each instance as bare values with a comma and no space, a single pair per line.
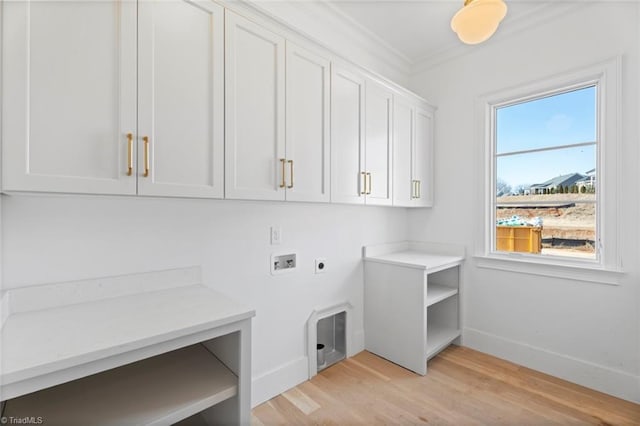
606,268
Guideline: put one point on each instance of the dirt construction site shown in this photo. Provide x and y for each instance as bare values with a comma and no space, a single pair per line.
569,220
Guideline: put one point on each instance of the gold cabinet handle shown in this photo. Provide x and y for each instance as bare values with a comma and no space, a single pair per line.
363,183
419,189
145,141
414,189
129,154
368,183
291,170
284,162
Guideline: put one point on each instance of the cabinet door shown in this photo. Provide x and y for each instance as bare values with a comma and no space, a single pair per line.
254,111
403,129
347,150
378,136
181,99
307,141
69,101
423,157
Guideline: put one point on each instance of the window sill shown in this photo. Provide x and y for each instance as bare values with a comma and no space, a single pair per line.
549,268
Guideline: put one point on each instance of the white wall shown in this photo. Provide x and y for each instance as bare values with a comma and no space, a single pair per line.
584,332
58,238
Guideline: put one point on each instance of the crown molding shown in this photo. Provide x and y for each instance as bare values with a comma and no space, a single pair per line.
342,33
390,51
544,13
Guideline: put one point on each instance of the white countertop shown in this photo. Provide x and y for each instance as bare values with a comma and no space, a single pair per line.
43,341
417,259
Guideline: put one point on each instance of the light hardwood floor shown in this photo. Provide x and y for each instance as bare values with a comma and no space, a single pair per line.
462,387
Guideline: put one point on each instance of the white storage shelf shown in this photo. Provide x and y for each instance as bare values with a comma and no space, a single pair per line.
158,390
437,293
411,302
439,338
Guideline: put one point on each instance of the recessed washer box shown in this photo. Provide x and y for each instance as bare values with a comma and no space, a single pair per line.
281,263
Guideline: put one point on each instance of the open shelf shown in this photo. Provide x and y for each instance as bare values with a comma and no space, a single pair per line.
440,338
442,324
159,390
437,293
422,317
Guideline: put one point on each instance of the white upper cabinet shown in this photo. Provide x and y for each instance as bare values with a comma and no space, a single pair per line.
348,176
378,144
254,111
413,154
184,98
361,139
181,99
307,138
423,157
69,96
113,97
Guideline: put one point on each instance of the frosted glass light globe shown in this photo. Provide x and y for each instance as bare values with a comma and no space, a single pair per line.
478,20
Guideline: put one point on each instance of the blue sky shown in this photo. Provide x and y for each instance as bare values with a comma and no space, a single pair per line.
562,119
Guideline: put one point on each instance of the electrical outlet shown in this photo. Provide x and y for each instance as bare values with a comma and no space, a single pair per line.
276,235
321,265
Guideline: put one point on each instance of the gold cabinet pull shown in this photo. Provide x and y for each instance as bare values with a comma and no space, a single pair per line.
363,183
414,191
145,141
284,163
419,182
129,154
291,170
368,183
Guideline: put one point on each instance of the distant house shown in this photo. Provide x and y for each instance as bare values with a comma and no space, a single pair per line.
553,184
589,181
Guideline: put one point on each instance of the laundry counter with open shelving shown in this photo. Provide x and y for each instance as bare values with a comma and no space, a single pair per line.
153,348
411,301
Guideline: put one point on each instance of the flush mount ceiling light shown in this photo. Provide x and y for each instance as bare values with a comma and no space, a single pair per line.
478,20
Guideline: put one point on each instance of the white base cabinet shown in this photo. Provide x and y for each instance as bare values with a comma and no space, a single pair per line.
145,349
411,302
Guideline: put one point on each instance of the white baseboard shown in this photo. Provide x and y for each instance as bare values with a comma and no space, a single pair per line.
604,379
280,379
357,343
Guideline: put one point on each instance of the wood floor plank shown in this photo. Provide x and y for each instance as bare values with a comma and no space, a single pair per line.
575,397
267,414
301,400
462,387
256,421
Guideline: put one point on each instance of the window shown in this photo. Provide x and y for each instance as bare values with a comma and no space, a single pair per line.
545,160
550,177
